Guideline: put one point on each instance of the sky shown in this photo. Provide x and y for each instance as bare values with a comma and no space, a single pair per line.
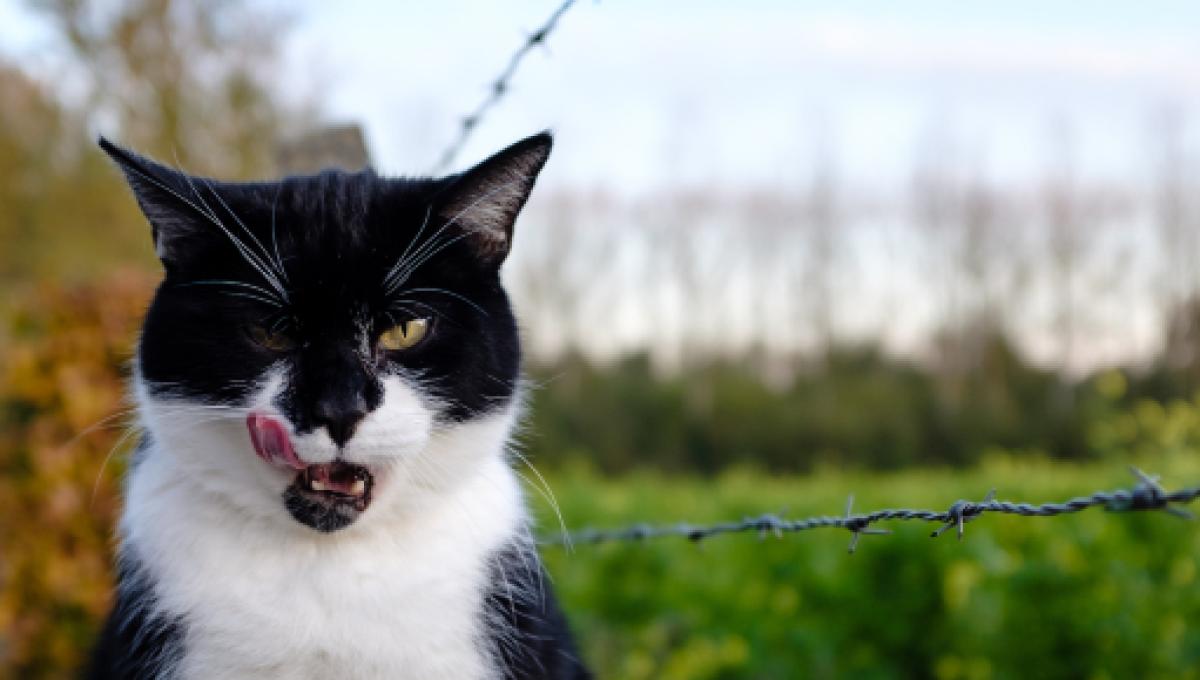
645,94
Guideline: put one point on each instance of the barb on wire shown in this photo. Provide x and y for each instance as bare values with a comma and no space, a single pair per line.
499,87
1147,494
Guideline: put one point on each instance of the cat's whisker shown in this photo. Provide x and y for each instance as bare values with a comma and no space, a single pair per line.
258,298
421,259
263,252
429,310
518,179
129,432
215,415
100,424
443,291
546,492
274,240
403,256
406,264
241,247
240,284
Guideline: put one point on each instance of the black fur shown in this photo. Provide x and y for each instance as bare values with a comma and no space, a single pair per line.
135,644
528,631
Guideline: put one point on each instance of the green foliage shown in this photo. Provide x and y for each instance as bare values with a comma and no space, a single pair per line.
1093,595
861,408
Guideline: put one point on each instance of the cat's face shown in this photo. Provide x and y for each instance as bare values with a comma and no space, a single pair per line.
323,345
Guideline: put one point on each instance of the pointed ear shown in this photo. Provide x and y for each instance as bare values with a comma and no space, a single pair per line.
167,200
485,200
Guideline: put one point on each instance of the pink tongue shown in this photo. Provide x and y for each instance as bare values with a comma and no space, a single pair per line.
271,441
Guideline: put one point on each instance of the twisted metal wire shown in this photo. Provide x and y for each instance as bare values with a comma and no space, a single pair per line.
1148,494
499,87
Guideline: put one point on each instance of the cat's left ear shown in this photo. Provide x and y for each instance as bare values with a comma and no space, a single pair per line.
485,200
179,225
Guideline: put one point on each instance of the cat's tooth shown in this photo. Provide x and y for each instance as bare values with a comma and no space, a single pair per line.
318,485
358,488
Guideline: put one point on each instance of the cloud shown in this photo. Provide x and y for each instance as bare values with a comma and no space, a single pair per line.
1002,52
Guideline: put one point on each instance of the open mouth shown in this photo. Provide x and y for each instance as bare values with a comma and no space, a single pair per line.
337,482
324,496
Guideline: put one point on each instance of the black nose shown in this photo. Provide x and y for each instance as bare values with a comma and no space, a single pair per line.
340,416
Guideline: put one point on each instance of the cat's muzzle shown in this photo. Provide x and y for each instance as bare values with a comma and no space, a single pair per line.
324,496
329,496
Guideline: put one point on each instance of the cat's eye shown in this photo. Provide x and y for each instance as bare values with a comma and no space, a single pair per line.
405,335
272,340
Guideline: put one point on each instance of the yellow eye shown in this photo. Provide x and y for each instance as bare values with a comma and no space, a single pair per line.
276,342
404,336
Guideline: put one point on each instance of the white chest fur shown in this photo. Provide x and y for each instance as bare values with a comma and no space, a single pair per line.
398,596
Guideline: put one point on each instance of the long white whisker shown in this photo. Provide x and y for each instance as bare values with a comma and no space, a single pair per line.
399,304
241,284
422,260
266,257
211,214
245,252
275,241
251,296
548,494
454,220
443,291
400,260
250,256
129,431
99,425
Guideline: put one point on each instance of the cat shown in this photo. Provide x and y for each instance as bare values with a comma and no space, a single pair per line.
327,380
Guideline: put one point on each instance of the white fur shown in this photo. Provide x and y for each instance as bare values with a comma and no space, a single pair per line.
397,594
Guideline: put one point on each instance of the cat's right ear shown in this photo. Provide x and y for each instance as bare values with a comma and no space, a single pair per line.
167,199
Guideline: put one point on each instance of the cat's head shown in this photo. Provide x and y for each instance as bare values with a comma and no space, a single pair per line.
324,344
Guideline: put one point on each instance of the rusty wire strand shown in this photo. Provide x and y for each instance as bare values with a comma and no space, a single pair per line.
499,86
1148,494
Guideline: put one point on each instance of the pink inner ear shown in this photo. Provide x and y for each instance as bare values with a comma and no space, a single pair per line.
271,441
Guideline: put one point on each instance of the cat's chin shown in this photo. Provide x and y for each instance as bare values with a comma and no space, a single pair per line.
329,496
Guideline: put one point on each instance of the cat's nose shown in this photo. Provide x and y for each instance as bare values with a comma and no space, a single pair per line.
340,416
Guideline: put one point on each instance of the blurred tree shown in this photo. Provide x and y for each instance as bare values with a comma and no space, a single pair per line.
823,227
30,125
1179,279
62,210
183,80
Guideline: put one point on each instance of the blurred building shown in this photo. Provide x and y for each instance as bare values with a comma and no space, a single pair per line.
334,146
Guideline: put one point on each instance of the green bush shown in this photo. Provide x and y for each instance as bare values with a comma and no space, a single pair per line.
1093,595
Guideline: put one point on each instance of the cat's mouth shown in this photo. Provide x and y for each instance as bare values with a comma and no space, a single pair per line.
324,496
337,482
329,496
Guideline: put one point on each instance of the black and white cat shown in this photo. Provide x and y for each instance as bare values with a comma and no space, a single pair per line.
327,379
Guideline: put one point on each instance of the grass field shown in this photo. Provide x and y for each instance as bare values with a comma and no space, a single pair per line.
1094,595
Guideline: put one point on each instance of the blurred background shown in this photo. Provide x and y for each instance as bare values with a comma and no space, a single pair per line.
783,252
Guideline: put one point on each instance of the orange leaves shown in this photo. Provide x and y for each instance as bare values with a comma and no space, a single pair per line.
62,380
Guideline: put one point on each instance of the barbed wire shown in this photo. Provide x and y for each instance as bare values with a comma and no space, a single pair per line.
1148,494
499,87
